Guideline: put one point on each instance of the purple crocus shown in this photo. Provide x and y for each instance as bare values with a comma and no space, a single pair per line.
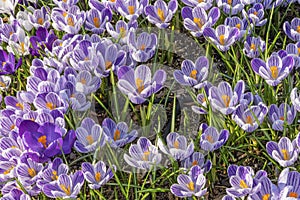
211,139
197,158
66,186
196,19
253,46
284,152
232,7
223,36
29,171
16,194
143,47
96,20
97,174
161,13
89,136
241,24
131,8
177,146
42,39
295,99
49,101
292,30
256,15
193,74
117,134
288,183
250,118
279,115
294,50
190,185
40,18
267,190
228,197
137,84
274,70
8,63
202,109
223,99
4,82
206,4
143,155
66,4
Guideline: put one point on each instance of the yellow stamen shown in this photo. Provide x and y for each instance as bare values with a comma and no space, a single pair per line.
40,21
139,84
274,71
108,64
298,29
198,21
22,45
31,172
243,184
86,59
96,22
117,135
65,1
2,84
161,14
176,144
3,63
12,127
249,120
131,10
226,100
13,147
200,1
209,138
195,162
238,26
8,170
285,154
70,21
253,47
255,13
50,106
229,2
143,47
20,105
90,139
65,189
191,186
65,14
98,176
281,118
146,155
293,194
54,177
266,197
122,32
43,140
193,74
222,39
83,81
299,51
113,1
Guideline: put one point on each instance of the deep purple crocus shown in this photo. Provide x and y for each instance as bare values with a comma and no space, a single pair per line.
43,39
280,115
8,63
137,84
292,30
193,74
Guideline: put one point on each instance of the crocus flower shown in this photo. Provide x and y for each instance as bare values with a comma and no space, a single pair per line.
96,20
43,39
65,4
29,171
16,104
223,99
8,63
250,118
66,186
89,136
269,4
161,13
284,152
96,175
40,18
274,70
190,185
253,46
19,42
86,83
256,15
16,194
100,5
241,24
228,197
8,6
211,139
23,18
267,190
292,30
49,101
7,30
197,158
177,146
193,74
295,99
130,8
288,183
206,4
143,47
201,110
196,19
281,114
117,134
137,84
232,7
294,50
223,36
4,82
143,155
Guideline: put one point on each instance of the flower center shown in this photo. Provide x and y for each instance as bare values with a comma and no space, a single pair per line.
90,139
31,172
122,32
195,162
98,176
8,170
20,105
243,184
22,45
140,85
161,14
281,118
64,14
238,26
226,100
3,63
293,194
117,135
285,154
255,13
146,155
191,186
2,84
193,74
96,22
198,21
83,81
200,1
65,1
143,47
70,21
266,197
222,39
108,64
176,144
298,29
43,140
249,120
40,21
50,105
299,51
253,47
274,71
113,1
66,190
12,127
229,2
54,177
210,139
131,10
